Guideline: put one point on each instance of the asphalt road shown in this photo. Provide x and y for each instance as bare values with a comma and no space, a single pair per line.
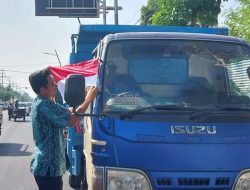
16,147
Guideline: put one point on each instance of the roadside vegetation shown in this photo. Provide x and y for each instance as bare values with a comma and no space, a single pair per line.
238,21
199,13
8,94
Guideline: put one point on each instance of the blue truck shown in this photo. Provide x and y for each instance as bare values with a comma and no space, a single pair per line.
172,111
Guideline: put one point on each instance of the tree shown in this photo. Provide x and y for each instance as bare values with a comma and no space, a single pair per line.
147,12
238,21
8,94
181,12
24,97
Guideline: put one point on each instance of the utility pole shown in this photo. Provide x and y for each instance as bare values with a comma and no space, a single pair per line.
9,83
116,11
104,12
58,58
54,54
106,8
2,76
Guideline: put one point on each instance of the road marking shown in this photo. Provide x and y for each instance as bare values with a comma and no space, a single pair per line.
24,147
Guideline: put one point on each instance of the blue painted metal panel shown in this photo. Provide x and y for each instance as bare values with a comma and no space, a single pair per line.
181,152
173,161
72,58
76,165
74,151
139,28
178,152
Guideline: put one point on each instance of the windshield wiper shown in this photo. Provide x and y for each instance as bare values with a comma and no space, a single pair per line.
130,114
198,115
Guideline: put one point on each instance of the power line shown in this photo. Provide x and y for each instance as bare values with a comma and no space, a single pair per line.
41,64
133,16
20,76
137,21
153,4
17,71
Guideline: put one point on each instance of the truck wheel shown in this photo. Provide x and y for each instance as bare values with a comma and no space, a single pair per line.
9,117
74,181
23,118
15,118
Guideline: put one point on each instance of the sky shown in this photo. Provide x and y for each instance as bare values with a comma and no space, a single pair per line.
25,38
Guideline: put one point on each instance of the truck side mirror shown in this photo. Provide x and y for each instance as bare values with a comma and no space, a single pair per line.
74,93
248,72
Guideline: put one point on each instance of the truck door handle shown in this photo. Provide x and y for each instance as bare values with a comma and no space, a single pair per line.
97,142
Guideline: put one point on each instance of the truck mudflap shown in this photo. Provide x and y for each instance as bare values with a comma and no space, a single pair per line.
75,156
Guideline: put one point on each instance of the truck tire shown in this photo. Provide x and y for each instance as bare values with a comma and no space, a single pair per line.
75,181
23,118
15,118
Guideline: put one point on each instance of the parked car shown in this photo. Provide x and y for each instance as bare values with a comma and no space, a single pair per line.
4,105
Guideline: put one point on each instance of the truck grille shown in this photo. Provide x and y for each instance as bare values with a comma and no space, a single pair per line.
219,183
193,181
222,181
164,181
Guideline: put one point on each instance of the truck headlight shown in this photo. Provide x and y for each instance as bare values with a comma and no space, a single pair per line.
243,181
119,179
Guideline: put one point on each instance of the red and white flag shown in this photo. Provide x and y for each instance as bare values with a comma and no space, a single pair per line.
87,68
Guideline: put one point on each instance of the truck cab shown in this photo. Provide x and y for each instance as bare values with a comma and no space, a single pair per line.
172,112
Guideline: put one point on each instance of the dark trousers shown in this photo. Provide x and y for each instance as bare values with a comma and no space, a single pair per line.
49,183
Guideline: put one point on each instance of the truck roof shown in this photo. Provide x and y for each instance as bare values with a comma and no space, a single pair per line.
172,35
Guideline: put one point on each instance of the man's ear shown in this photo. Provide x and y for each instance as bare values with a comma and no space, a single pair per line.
42,91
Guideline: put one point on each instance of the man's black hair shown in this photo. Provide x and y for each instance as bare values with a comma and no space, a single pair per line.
38,79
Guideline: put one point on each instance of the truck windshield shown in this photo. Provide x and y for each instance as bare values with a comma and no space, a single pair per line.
197,74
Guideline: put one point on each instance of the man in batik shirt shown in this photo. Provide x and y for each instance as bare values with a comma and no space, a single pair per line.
48,121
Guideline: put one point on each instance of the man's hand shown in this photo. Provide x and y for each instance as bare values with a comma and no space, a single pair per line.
90,93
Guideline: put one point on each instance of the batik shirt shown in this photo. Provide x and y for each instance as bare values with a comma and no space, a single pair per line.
48,121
